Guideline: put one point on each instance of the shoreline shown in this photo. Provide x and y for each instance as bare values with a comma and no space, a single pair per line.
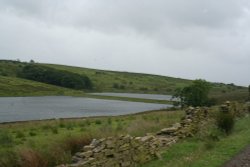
82,118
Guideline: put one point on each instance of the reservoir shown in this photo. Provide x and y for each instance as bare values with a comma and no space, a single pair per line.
50,107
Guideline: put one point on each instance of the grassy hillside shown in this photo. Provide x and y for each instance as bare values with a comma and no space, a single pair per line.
107,81
111,81
11,86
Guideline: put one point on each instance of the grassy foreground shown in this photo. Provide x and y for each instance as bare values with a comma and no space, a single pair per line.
53,142
197,151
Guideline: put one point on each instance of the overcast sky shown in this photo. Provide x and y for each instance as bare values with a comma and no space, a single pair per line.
208,39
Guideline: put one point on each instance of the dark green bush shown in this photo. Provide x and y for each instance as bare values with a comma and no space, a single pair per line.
225,122
143,88
122,87
54,130
20,134
195,94
109,121
31,133
55,77
5,138
98,122
116,85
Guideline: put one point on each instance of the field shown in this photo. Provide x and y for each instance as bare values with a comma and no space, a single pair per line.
55,141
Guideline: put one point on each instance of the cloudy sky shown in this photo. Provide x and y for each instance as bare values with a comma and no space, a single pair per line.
192,39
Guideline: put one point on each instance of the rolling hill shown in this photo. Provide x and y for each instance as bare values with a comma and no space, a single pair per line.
109,81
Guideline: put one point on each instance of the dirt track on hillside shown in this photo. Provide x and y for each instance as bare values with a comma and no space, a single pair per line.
240,160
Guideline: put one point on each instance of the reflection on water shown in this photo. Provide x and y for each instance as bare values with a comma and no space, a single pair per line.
47,107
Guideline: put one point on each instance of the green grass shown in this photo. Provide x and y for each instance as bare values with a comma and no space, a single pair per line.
11,86
112,81
145,83
194,153
55,141
132,82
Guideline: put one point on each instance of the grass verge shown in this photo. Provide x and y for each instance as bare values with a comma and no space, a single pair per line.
197,152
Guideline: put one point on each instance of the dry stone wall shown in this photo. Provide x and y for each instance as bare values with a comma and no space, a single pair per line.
128,151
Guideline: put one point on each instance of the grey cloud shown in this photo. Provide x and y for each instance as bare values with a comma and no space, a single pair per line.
191,39
133,13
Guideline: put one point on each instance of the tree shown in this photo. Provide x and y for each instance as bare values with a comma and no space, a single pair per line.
32,61
55,77
249,92
194,95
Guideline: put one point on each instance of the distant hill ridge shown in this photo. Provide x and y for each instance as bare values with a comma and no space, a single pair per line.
113,81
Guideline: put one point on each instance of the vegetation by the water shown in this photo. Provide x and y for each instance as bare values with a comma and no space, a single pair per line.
195,94
111,81
12,86
55,141
249,92
55,77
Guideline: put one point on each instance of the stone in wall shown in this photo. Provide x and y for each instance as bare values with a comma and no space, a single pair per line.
120,151
188,125
128,151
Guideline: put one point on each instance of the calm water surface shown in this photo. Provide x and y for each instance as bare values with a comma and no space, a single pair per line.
38,108
136,95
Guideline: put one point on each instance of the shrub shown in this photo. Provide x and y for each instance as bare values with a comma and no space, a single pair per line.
55,77
122,87
225,122
98,122
20,134
195,94
5,138
31,158
116,85
62,124
31,133
156,89
143,89
54,130
109,121
69,126
88,122
8,157
74,144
